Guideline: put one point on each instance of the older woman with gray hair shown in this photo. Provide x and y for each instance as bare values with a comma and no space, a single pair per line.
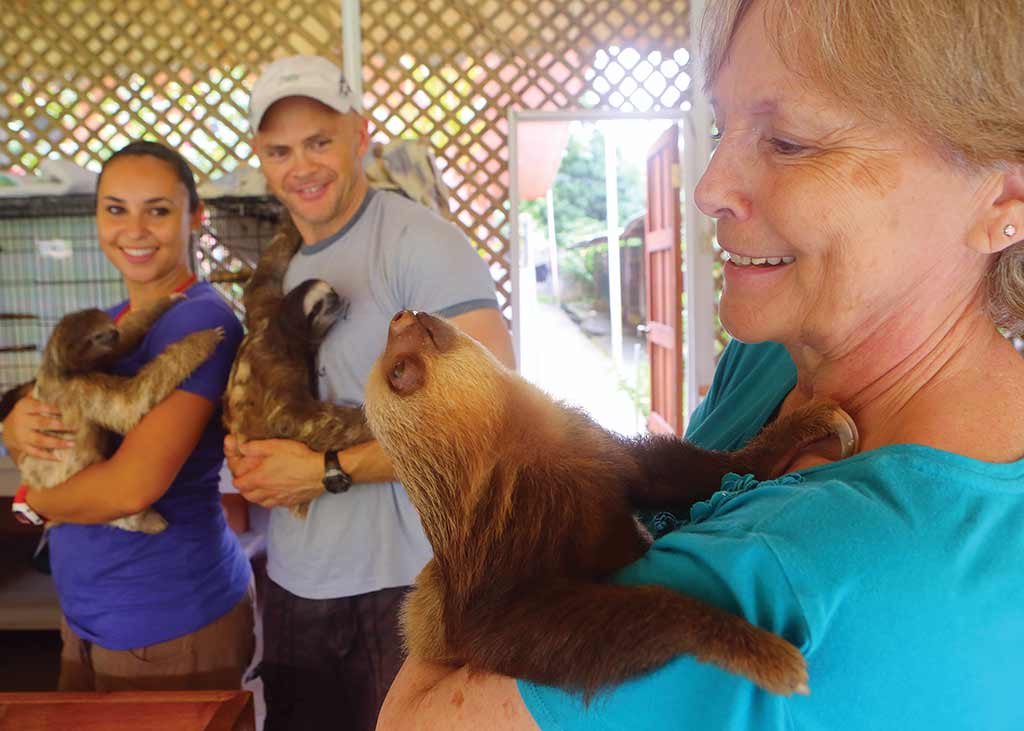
868,186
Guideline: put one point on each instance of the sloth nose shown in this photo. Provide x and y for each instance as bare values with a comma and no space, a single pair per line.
401,321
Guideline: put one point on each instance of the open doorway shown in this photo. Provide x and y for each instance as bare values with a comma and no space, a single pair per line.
576,337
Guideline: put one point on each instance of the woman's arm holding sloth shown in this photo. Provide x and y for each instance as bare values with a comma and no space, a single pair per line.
430,697
281,472
138,473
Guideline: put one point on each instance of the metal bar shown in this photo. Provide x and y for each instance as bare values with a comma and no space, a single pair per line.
514,244
611,192
549,200
352,47
567,115
698,269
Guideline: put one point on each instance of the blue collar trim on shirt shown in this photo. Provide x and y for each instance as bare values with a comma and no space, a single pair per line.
324,243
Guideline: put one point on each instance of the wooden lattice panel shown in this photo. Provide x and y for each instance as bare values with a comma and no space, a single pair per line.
81,78
449,71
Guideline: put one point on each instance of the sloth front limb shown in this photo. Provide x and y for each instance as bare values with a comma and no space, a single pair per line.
672,472
118,403
328,426
587,636
136,323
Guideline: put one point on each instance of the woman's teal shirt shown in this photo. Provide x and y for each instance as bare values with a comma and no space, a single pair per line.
899,573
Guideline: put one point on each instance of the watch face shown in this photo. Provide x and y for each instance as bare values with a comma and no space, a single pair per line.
335,478
336,481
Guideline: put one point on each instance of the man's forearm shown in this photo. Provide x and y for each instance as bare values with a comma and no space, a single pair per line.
366,462
283,472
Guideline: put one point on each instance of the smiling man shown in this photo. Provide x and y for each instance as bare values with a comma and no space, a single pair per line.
337,578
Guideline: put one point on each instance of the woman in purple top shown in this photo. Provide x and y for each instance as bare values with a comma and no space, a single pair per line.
172,610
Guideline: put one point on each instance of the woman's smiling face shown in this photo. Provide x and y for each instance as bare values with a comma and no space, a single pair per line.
837,225
143,220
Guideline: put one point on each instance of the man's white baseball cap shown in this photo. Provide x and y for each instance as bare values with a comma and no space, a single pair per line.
312,76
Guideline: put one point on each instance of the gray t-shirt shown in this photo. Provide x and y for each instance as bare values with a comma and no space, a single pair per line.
393,255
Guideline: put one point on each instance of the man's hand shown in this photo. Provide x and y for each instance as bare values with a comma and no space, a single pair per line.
26,427
275,472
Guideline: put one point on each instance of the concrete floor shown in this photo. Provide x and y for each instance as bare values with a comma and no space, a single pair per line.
559,356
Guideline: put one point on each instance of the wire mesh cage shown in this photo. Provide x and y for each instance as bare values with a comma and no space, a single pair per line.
50,264
235,230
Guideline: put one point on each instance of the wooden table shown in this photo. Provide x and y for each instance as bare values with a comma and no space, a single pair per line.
190,710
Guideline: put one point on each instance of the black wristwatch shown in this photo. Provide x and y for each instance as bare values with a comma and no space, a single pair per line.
336,480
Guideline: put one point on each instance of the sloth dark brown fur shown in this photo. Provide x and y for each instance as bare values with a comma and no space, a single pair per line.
527,505
94,404
271,392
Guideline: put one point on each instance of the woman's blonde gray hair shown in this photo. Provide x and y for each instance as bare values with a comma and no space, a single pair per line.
949,71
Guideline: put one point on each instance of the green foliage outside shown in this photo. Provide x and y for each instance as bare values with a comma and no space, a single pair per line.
579,190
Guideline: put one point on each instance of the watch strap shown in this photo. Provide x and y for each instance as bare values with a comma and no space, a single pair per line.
22,512
336,480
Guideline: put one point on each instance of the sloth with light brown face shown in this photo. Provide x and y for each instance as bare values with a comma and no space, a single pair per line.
95,405
528,505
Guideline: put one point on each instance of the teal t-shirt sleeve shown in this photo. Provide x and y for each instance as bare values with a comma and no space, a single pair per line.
439,271
729,570
192,315
711,398
749,383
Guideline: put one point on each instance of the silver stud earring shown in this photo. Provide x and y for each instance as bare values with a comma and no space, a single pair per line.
1009,230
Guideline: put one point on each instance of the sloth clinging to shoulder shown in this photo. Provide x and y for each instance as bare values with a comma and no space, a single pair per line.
527,506
96,405
272,389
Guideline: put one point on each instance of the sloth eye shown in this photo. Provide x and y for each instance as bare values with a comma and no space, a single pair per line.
406,374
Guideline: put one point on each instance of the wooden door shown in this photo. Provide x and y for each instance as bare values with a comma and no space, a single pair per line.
663,257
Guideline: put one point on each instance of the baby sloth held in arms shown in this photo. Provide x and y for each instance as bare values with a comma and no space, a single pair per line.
272,389
95,405
528,505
